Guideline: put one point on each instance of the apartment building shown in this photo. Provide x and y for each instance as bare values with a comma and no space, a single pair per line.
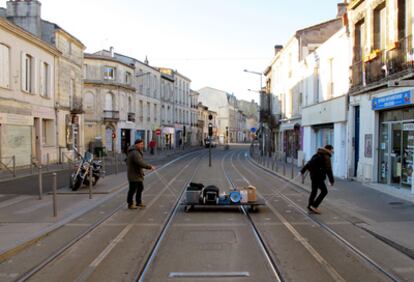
147,81
56,131
381,94
325,100
284,79
28,122
109,101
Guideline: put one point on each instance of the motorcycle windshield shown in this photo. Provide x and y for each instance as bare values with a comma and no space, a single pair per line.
88,157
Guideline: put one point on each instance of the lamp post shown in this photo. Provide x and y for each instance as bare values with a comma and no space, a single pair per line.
261,106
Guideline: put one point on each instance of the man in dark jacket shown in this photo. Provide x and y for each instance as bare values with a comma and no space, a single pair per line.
319,167
135,173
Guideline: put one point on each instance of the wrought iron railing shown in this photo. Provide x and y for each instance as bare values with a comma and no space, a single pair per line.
111,115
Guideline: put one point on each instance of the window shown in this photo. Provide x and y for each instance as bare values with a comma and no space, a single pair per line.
127,77
89,101
130,105
109,103
109,73
27,73
379,27
4,66
148,111
47,131
44,80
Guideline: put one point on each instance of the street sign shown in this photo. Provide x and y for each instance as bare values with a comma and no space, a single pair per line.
158,132
253,129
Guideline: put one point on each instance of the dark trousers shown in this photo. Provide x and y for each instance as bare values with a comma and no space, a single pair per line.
135,187
317,184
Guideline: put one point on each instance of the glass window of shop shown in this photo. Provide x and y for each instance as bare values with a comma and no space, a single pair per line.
324,136
396,147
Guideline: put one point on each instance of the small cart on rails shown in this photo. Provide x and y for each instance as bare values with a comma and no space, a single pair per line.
198,195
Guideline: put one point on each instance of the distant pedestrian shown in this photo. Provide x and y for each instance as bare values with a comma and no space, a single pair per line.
135,173
319,167
152,146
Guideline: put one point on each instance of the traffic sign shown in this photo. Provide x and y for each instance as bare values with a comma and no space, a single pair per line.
253,129
158,131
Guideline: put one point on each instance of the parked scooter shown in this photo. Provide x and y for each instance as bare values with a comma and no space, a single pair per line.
81,174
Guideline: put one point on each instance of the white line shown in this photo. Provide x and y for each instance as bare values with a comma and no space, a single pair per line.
111,245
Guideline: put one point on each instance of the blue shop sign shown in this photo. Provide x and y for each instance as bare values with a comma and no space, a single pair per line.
394,100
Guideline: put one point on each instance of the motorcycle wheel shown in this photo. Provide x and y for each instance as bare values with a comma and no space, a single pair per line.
77,184
95,180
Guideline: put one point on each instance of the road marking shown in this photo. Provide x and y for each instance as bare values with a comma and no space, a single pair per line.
329,268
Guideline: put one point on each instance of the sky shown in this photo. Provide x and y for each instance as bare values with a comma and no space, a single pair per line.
209,41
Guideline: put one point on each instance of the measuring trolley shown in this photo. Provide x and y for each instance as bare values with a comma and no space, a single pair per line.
198,195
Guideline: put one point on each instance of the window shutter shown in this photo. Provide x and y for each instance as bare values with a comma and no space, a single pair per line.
23,71
6,59
3,66
42,78
35,76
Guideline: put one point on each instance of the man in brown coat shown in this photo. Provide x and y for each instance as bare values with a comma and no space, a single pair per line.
135,173
319,167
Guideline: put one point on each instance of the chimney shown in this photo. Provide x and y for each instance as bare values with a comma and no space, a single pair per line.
278,48
146,60
25,14
111,51
341,9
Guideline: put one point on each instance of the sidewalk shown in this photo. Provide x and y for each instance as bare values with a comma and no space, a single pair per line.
387,216
24,219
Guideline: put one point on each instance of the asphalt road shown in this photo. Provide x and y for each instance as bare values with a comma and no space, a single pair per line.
206,242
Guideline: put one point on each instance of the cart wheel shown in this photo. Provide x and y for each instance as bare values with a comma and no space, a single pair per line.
253,208
186,208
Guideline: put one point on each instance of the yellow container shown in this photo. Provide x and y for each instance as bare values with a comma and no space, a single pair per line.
251,193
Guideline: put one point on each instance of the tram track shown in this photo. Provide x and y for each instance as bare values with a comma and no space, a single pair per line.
259,238
359,253
89,230
168,221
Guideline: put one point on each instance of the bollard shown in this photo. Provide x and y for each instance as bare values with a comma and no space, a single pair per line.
31,164
14,166
292,167
90,181
54,194
116,164
284,168
47,161
40,182
101,158
303,175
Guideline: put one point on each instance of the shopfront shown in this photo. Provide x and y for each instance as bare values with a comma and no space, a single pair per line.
396,139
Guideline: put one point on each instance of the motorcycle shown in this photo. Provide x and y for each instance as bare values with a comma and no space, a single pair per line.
82,172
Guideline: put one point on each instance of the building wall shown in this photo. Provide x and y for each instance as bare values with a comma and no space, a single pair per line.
27,118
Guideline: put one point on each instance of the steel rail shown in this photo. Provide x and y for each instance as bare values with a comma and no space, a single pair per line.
329,230
259,238
141,275
30,273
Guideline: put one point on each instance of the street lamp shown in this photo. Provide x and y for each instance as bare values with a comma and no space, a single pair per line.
261,104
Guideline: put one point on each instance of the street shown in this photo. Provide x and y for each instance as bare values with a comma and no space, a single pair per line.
162,241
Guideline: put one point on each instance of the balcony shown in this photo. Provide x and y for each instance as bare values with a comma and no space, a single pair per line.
76,105
131,117
111,115
397,57
380,66
374,69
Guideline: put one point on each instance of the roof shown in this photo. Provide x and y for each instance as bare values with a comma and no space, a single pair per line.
56,26
10,26
106,58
